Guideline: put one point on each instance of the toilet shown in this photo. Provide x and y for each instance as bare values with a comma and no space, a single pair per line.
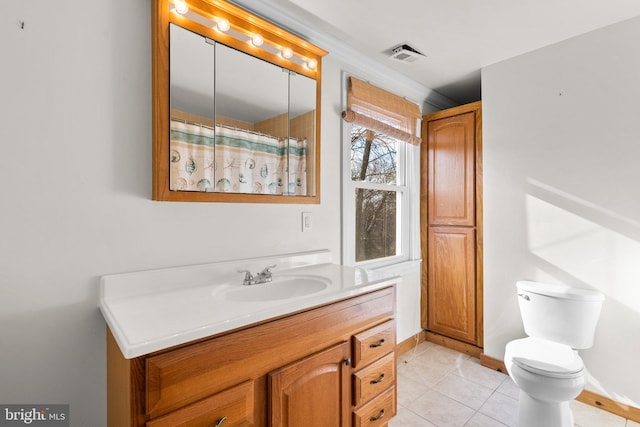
546,366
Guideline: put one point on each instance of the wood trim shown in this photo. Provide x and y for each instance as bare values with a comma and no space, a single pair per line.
410,343
424,211
588,397
473,106
460,346
124,387
606,404
479,229
495,364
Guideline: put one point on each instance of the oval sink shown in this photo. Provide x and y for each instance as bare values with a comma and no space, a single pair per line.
278,289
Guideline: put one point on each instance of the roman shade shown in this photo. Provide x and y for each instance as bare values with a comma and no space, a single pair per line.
382,111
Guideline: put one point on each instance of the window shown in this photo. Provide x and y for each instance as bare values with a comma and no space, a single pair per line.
380,182
374,172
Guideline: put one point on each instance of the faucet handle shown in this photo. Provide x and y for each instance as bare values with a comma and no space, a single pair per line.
266,269
248,277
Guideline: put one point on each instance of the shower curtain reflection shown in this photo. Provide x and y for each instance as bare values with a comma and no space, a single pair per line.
230,160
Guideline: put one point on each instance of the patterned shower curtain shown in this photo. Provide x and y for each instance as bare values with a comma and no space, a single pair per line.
298,166
235,161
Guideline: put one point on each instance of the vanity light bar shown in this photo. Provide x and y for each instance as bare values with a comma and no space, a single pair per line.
256,40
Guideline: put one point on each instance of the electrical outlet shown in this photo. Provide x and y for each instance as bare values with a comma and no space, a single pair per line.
306,221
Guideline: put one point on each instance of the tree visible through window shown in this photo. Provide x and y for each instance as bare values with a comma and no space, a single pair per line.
374,169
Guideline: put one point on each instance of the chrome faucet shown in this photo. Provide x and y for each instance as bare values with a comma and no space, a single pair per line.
263,277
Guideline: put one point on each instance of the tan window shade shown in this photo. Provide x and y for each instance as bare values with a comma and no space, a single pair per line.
374,108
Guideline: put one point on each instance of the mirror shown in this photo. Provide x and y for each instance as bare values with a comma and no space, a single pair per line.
241,121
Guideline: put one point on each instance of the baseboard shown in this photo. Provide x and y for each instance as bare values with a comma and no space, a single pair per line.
594,399
492,363
588,397
410,343
453,344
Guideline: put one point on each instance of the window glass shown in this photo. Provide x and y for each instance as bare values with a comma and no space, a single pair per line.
373,156
376,224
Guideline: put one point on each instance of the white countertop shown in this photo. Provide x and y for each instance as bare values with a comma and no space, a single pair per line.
152,310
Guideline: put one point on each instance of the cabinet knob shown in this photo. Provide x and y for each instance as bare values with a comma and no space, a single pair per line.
377,344
377,380
347,361
378,417
220,422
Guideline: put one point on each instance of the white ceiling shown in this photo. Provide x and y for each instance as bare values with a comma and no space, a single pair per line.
458,37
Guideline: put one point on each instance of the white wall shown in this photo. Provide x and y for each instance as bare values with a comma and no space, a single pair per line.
75,168
561,191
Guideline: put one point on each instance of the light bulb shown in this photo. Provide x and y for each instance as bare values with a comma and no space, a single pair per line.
286,53
223,25
312,64
181,6
257,40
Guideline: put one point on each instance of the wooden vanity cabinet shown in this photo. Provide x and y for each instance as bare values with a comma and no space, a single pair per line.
374,377
299,369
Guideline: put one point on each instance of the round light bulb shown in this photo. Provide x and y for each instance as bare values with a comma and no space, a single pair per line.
286,53
181,6
312,64
223,25
257,40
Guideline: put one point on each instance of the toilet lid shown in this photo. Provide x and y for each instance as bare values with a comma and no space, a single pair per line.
547,358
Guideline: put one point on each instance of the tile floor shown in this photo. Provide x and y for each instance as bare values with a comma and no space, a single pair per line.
441,387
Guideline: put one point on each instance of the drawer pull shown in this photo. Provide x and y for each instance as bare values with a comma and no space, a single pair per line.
378,417
377,344
377,380
220,422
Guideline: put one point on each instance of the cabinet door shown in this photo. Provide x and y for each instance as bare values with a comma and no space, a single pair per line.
451,170
314,391
451,284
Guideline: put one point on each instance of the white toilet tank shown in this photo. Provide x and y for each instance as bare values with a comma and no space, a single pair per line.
559,313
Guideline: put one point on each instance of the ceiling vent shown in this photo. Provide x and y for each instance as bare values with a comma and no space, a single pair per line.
405,53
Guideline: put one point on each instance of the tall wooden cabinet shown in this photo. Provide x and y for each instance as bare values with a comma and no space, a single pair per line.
451,223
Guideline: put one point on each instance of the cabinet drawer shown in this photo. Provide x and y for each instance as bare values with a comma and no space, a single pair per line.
373,343
234,406
373,379
378,412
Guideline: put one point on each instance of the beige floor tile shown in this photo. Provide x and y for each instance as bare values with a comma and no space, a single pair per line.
509,388
409,390
441,410
502,408
587,416
472,370
481,420
406,418
464,391
444,388
423,371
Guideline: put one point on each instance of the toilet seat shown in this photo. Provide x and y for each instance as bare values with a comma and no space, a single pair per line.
546,358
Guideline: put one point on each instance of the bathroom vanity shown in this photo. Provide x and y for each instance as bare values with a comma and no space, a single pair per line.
325,357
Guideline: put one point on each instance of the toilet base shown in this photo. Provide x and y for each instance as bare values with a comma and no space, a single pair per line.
535,413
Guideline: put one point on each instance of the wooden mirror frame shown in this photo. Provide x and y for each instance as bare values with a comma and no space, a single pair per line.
240,19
